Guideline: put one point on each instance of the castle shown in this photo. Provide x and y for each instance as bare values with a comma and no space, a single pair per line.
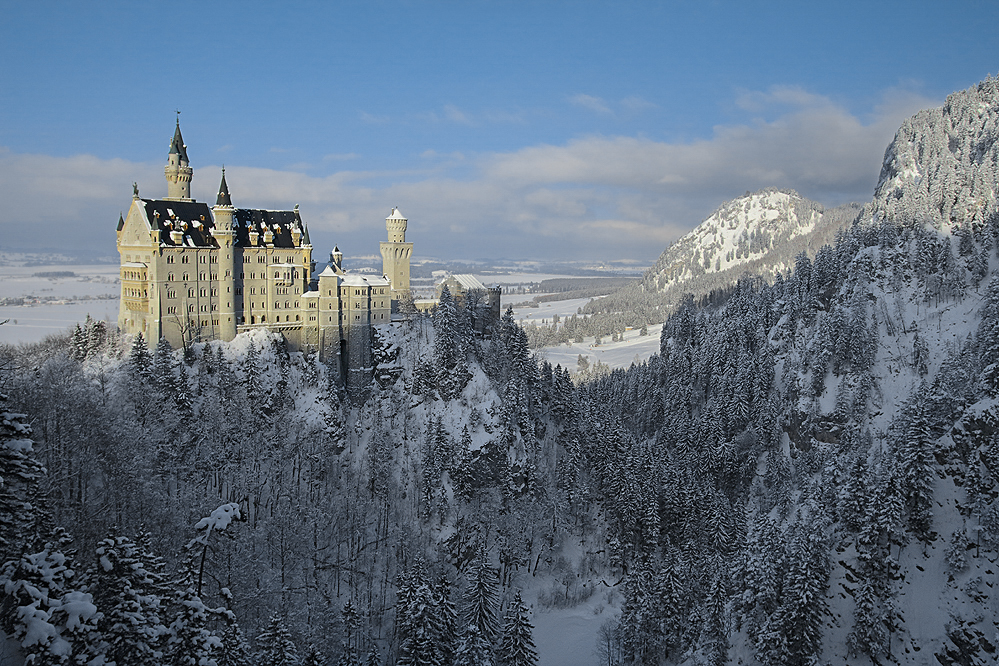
192,273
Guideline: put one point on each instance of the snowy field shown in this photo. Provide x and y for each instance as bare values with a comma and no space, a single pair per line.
634,348
61,307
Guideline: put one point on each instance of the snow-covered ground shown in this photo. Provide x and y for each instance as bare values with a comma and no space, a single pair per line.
570,636
634,348
57,306
33,323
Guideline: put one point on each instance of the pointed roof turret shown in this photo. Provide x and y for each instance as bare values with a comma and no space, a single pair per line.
121,221
223,199
177,146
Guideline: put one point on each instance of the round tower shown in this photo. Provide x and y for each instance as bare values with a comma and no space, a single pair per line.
396,253
225,235
177,170
395,223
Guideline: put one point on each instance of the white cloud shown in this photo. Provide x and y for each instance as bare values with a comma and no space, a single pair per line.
636,104
590,102
454,114
594,197
340,157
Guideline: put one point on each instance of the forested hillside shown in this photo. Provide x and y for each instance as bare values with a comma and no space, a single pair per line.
805,473
758,234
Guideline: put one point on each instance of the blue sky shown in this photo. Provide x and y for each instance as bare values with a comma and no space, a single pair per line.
536,130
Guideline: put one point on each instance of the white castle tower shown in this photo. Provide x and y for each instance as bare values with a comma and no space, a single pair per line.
178,171
224,234
396,253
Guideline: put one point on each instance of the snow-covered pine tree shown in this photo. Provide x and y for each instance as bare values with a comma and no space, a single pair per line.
234,650
481,598
517,646
450,362
140,360
473,649
47,610
19,476
916,462
129,597
275,646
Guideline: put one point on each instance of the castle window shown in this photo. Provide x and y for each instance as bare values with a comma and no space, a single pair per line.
171,293
215,292
190,292
203,292
246,259
297,318
203,259
253,290
214,277
187,277
183,259
214,259
215,306
263,290
277,305
261,259
169,277
202,276
190,308
169,258
286,305
239,291
204,308
172,309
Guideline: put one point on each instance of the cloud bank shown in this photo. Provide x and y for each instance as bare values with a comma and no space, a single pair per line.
595,197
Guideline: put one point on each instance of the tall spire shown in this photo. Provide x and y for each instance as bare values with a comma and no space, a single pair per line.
177,146
178,169
223,199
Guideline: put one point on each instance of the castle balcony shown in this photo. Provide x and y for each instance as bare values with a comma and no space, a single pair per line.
135,286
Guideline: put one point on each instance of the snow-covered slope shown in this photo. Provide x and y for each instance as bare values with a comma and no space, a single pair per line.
756,232
943,165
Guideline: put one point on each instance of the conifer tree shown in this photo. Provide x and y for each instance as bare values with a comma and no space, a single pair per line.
517,647
481,599
451,365
917,461
274,645
234,650
473,649
130,598
140,360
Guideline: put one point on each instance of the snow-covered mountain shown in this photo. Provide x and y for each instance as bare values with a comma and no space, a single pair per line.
756,233
943,165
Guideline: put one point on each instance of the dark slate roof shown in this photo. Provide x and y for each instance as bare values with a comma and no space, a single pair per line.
223,199
177,144
280,222
121,221
191,217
